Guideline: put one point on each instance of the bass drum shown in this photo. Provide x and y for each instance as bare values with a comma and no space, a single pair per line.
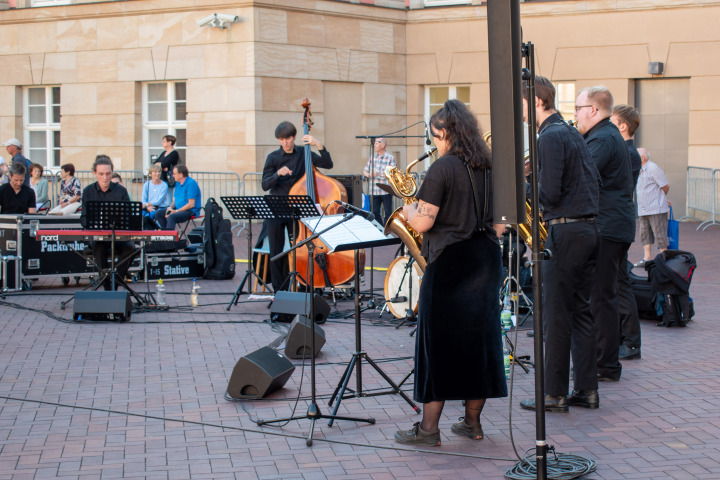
397,284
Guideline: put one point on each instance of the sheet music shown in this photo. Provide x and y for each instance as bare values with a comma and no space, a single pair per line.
354,231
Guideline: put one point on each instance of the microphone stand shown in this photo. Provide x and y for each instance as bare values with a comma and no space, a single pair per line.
313,412
371,303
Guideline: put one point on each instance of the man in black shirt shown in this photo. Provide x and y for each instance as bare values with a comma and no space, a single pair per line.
15,196
283,168
569,194
105,189
627,119
616,219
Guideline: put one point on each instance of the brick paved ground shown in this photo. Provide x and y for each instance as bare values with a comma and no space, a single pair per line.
144,399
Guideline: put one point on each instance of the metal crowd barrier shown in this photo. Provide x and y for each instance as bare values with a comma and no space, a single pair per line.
700,193
715,200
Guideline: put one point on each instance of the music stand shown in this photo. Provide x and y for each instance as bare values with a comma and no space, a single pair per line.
114,215
313,413
291,207
357,234
249,208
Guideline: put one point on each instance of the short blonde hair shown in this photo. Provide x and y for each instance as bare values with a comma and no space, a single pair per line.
155,167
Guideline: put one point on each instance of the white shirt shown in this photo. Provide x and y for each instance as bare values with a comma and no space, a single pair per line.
651,199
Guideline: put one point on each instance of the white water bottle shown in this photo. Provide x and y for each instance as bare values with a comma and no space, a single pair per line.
194,294
160,292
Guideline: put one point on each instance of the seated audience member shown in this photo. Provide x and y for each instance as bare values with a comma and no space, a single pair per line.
154,194
106,190
39,184
70,192
187,201
116,178
16,197
4,173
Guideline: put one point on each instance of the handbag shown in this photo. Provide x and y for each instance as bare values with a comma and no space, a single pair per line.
170,178
673,232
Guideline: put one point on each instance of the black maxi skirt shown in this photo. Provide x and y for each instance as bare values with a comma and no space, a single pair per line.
458,352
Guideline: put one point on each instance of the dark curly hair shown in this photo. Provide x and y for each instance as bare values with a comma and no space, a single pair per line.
463,133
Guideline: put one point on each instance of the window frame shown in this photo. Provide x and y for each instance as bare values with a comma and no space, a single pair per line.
170,126
49,126
49,3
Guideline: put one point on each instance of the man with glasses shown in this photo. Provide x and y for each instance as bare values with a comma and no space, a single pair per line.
616,220
106,190
381,159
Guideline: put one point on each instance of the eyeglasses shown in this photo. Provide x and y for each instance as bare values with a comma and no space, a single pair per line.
578,107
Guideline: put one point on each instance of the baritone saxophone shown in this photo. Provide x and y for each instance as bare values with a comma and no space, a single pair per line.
405,186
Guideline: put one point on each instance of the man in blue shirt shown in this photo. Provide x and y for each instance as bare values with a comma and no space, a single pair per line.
187,201
14,148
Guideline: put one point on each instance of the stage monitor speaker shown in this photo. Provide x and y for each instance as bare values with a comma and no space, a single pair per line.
259,374
298,343
294,303
90,305
506,110
353,185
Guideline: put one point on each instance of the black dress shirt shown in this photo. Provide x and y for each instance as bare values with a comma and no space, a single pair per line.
569,181
616,219
295,161
115,193
21,202
635,161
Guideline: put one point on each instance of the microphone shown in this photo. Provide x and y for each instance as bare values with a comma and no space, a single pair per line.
398,300
356,211
427,136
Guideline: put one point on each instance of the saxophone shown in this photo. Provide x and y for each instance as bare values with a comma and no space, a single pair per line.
525,228
405,186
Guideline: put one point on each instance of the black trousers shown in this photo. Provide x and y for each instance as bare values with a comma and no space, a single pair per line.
386,202
567,315
629,318
280,268
102,251
605,306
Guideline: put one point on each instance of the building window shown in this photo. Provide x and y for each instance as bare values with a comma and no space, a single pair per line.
565,99
42,125
442,3
435,97
164,113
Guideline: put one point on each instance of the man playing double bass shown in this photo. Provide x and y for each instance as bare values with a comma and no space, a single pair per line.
283,168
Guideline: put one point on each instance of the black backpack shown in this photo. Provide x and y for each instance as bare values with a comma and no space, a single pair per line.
670,275
219,251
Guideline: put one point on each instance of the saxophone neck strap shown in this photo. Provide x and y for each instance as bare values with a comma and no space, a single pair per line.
480,216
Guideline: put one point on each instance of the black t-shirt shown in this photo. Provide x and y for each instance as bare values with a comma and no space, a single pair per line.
295,161
93,192
167,160
447,186
21,202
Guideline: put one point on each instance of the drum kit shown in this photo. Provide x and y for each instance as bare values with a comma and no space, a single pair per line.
402,287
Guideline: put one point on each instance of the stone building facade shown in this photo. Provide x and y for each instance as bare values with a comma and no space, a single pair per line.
114,76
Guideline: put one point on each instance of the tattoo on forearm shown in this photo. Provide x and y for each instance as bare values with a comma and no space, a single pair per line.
423,211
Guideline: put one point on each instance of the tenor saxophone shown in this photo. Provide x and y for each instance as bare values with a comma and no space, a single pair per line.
405,186
525,228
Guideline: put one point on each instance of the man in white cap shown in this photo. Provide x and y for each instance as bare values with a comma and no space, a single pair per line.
14,148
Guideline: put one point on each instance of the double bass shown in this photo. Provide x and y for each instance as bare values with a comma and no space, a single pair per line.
330,268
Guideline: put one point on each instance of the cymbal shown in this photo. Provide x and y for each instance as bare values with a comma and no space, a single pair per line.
387,188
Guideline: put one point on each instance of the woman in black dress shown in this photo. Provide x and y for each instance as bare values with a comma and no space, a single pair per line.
169,158
458,354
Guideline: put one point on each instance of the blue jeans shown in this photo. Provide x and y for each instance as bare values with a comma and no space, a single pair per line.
169,222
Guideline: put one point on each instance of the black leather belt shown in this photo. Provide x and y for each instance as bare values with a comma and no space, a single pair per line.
557,221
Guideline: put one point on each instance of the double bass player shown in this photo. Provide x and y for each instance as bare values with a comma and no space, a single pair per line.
283,168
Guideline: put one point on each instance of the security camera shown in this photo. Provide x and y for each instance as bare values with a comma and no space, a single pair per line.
219,20
227,18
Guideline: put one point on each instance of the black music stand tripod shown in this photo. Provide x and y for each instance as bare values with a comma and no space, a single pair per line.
249,208
292,207
313,414
111,215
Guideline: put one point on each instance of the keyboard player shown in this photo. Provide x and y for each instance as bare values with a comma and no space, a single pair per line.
105,190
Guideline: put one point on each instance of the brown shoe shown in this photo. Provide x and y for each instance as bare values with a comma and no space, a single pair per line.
472,431
417,436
